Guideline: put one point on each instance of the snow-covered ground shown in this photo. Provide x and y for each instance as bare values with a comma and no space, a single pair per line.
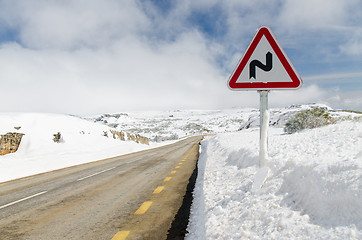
82,141
160,125
313,189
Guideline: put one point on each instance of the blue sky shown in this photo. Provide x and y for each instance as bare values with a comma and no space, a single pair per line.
91,56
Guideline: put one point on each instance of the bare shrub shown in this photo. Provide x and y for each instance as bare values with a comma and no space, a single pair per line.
309,118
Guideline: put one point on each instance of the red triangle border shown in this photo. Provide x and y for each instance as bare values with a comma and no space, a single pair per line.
296,80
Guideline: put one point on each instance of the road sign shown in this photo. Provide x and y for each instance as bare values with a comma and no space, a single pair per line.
264,66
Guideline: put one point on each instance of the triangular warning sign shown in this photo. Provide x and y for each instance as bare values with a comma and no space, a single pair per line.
264,66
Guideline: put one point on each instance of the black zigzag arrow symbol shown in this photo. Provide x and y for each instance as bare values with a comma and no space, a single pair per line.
256,63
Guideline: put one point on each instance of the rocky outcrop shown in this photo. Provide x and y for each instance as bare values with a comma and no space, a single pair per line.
131,137
120,135
10,142
138,138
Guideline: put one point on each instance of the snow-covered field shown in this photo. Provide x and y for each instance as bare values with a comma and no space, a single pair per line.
160,125
313,189
82,141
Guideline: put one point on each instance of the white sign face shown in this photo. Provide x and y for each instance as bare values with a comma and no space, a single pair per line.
262,52
264,66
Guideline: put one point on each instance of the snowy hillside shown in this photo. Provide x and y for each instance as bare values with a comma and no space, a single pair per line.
81,141
161,125
313,190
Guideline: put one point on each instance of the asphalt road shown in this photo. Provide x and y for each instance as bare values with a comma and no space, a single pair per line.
134,196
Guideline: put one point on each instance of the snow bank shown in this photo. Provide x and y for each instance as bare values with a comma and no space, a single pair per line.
83,141
313,190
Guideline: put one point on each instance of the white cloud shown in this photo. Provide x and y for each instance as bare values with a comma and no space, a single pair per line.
353,46
335,78
130,74
91,56
348,100
307,94
73,24
315,14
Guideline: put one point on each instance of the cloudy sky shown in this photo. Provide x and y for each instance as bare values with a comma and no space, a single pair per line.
97,56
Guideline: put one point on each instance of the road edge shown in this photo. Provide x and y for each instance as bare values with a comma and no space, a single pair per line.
178,229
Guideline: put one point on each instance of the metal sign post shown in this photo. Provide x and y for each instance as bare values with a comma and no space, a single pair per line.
264,125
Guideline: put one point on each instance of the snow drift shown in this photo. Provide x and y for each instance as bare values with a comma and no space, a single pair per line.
313,190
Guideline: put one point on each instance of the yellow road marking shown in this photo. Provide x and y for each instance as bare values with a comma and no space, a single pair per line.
189,153
122,235
158,189
26,178
180,163
143,208
167,179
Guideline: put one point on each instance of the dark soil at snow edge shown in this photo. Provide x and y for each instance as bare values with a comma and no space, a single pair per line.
179,224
